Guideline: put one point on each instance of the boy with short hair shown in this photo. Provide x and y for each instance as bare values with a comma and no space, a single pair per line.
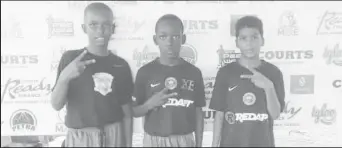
169,92
248,94
96,86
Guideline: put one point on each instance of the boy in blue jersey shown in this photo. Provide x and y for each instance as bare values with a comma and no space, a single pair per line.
96,87
169,92
248,94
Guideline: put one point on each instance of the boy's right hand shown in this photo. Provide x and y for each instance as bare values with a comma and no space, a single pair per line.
76,67
160,98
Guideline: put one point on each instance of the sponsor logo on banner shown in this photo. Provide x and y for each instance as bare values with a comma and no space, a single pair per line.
200,26
289,111
337,83
56,57
333,55
233,21
59,27
288,56
209,86
145,56
188,53
324,115
302,84
127,28
23,121
25,91
13,31
60,126
226,56
331,23
288,24
18,61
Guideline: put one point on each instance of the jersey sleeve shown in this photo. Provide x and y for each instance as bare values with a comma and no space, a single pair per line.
279,88
199,91
218,101
139,87
125,90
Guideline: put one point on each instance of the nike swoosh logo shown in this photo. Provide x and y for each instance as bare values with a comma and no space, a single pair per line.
232,88
154,85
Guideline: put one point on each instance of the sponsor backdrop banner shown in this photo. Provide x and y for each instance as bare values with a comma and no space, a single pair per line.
304,39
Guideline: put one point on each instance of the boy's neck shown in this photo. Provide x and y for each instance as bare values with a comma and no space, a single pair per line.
98,50
250,62
169,61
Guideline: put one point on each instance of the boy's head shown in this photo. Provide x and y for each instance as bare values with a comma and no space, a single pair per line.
98,23
169,35
249,36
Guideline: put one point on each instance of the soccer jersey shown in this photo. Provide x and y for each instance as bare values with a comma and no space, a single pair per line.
178,115
246,121
96,96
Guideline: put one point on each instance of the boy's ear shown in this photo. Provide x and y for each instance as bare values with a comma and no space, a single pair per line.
263,41
113,28
236,43
155,39
183,39
84,28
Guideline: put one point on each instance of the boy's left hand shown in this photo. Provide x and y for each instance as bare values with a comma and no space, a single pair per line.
259,79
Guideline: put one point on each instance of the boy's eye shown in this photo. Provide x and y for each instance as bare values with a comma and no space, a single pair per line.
242,38
163,37
176,37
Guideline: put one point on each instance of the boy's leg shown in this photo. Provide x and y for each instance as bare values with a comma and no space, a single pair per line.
172,141
89,137
114,135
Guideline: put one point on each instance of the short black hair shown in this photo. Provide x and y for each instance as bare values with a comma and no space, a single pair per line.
98,6
250,22
169,17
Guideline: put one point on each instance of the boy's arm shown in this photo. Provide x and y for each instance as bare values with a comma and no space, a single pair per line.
219,104
125,92
275,96
140,107
199,102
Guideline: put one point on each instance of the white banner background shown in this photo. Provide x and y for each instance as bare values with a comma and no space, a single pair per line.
301,38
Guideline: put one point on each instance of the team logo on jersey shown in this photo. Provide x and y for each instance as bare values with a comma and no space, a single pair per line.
23,121
103,83
170,83
248,98
230,117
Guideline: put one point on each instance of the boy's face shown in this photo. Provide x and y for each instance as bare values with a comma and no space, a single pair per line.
98,25
169,38
249,42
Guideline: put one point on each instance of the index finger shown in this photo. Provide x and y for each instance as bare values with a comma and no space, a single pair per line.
164,90
79,57
254,71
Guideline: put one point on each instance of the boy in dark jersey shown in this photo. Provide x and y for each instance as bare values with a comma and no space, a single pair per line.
248,94
169,92
96,86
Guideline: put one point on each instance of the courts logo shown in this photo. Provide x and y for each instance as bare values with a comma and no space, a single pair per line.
18,61
333,56
12,31
209,86
145,56
324,115
233,21
337,83
288,24
23,121
16,90
289,111
60,126
288,56
56,57
199,26
226,56
302,84
127,28
59,27
331,23
188,53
